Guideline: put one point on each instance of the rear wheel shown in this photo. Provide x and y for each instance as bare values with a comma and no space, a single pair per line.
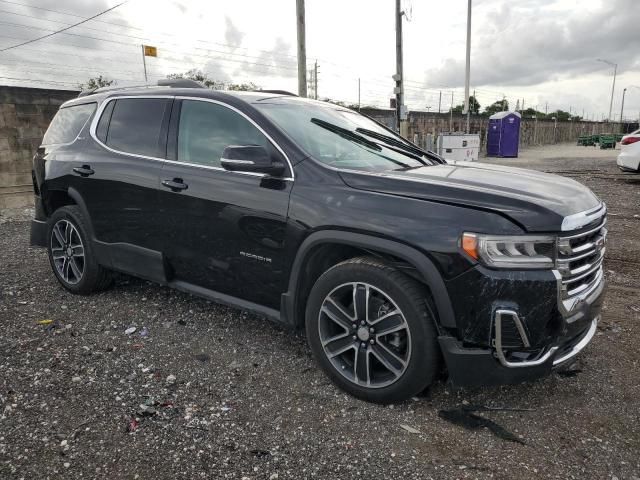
372,331
71,253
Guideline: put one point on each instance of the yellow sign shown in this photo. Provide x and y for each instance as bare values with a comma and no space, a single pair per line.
150,51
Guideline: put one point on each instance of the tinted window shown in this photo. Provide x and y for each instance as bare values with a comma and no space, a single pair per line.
207,128
135,126
67,123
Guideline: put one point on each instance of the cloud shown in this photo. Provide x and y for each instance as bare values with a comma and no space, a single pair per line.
232,34
276,62
526,46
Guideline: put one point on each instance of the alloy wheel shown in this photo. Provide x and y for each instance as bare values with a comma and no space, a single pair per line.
67,251
364,335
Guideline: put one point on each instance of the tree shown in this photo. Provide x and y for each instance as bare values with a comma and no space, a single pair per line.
243,87
96,82
199,76
496,107
203,78
474,106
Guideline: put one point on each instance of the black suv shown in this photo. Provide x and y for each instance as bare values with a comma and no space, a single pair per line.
393,260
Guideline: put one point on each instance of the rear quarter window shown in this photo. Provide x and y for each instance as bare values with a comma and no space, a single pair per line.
67,123
135,126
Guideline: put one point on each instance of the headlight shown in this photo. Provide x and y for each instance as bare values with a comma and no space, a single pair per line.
519,251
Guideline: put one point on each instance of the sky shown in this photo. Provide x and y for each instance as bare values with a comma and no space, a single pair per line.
542,52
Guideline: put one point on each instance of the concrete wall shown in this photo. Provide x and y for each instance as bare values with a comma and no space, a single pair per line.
25,114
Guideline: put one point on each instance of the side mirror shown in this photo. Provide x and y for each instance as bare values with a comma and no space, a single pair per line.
250,158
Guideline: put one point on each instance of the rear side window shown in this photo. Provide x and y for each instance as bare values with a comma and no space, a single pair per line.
135,126
67,123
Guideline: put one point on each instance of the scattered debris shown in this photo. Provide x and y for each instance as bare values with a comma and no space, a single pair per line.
130,330
260,453
202,357
146,410
47,321
144,332
171,379
410,429
132,425
465,417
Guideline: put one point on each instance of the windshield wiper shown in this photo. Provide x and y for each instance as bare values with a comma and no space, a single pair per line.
348,134
400,144
393,141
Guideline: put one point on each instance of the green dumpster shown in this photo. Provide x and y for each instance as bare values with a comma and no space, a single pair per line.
607,141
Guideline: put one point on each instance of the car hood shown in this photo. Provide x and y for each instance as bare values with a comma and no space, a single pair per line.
537,201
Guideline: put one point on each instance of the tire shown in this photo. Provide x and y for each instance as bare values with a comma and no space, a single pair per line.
72,255
380,291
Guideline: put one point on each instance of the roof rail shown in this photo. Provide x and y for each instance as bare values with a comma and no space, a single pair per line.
168,82
179,83
277,92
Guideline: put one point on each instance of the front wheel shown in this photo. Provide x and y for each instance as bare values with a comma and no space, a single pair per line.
372,331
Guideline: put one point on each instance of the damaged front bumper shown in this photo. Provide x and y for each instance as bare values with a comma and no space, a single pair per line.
523,343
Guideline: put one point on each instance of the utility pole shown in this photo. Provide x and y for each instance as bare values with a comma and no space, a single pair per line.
358,94
622,108
144,64
451,114
546,108
302,49
467,78
315,80
613,87
401,112
440,102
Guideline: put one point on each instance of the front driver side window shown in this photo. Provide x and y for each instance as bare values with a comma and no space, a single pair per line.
206,128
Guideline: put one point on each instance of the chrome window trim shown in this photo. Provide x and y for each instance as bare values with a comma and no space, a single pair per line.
103,105
84,125
96,119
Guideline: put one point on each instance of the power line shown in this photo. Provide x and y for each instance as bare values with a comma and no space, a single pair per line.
63,29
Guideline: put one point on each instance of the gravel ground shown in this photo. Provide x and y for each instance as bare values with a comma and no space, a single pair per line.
223,394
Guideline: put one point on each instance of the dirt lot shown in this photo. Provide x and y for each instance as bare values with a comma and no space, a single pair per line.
248,401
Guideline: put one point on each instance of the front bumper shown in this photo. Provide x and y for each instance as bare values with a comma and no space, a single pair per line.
553,331
477,367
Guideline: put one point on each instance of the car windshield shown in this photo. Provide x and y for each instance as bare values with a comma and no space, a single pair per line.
342,138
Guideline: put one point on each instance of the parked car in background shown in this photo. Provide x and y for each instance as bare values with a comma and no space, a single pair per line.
629,158
393,261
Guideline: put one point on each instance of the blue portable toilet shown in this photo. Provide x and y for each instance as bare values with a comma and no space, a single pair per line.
503,135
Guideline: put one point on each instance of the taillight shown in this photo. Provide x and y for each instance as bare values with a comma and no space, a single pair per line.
630,140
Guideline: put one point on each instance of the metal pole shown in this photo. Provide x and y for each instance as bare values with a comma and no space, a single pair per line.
358,94
302,51
451,114
622,108
315,80
401,122
613,89
440,102
467,78
144,64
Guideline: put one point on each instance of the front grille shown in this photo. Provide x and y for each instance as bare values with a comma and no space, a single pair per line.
580,257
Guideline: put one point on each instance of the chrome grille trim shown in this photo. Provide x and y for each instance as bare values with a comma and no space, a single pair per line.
580,257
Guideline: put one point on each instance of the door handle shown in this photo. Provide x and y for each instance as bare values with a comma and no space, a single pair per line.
176,185
84,170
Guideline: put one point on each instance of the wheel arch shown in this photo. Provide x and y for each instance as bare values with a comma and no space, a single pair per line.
342,245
